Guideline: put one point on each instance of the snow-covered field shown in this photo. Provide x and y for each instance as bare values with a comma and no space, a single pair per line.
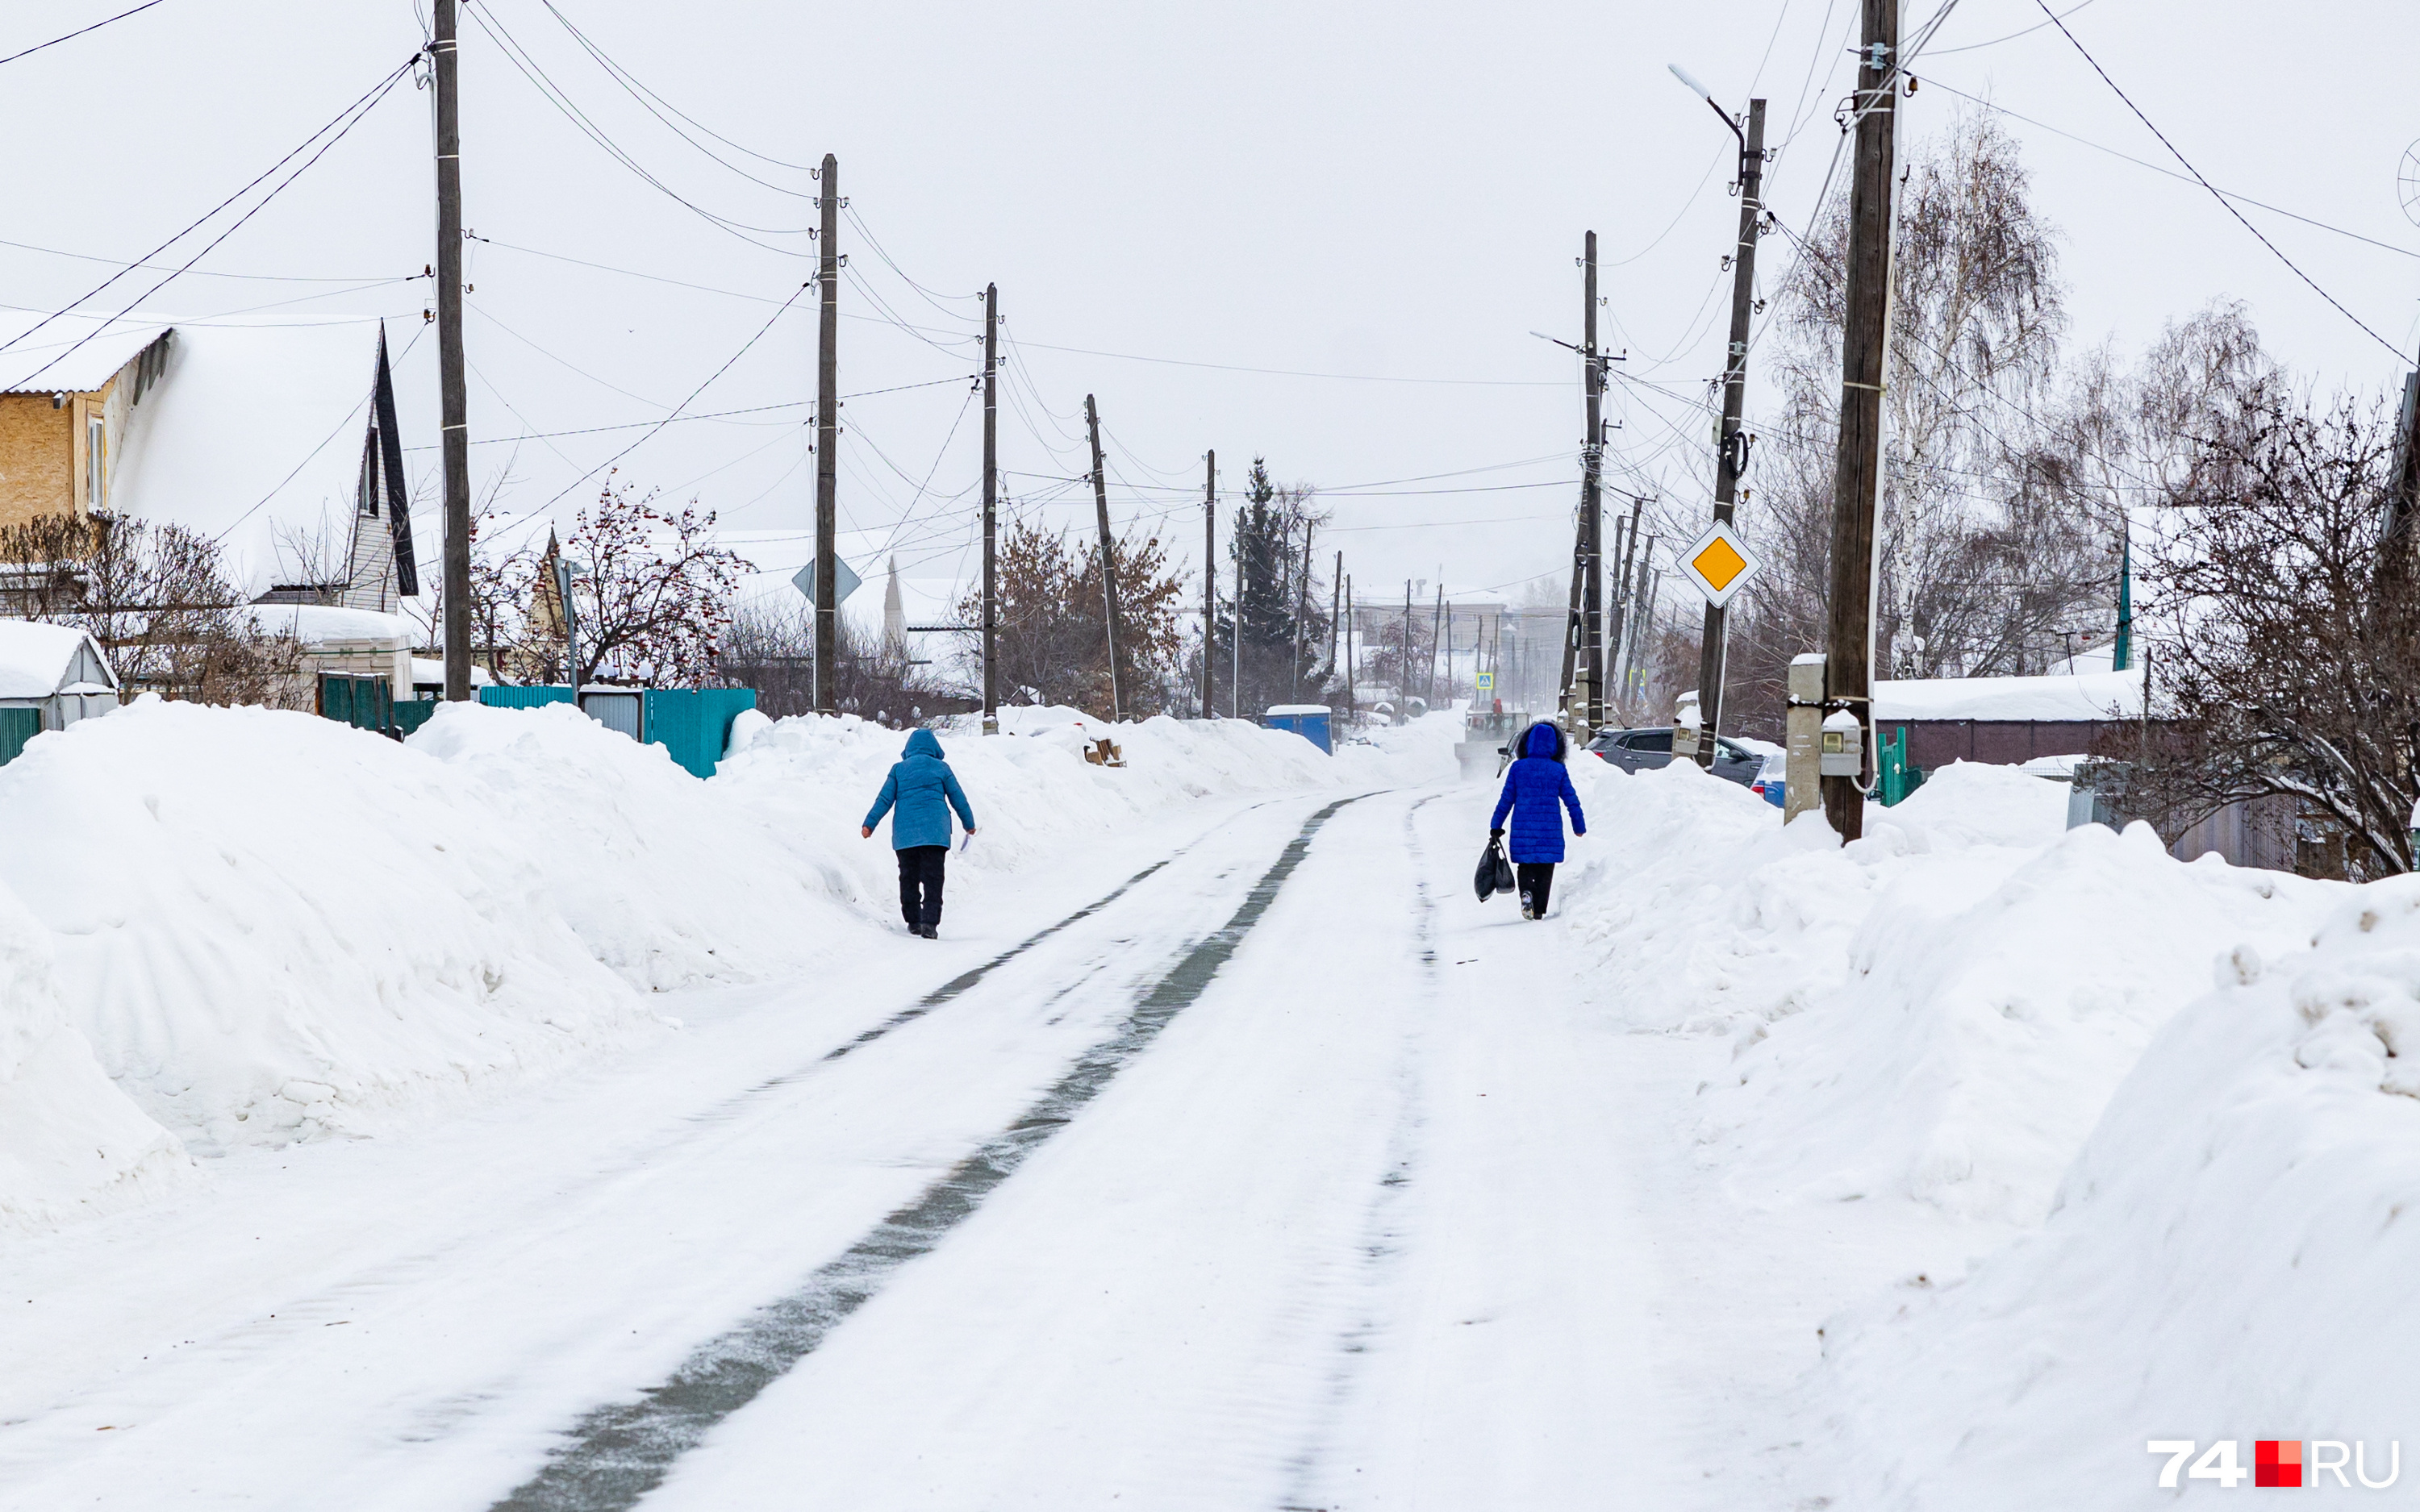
535,1125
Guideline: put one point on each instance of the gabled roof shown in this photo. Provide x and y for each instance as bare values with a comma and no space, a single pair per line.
38,660
51,360
251,430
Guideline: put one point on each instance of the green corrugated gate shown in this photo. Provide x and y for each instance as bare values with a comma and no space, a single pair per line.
17,726
363,702
694,725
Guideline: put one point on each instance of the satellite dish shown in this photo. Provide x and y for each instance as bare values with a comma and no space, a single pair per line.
2407,183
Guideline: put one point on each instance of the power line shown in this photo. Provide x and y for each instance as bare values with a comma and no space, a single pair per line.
358,110
373,95
2228,205
744,348
2168,172
2025,31
649,100
79,32
519,57
201,273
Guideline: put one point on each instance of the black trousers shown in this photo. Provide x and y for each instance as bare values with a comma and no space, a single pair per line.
1537,879
920,884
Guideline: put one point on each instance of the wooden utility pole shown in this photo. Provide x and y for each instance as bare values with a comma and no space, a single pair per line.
452,402
1335,613
1730,446
991,511
1352,709
828,447
1624,602
1109,556
1404,694
1209,585
1301,608
1435,616
1864,352
1235,638
1592,505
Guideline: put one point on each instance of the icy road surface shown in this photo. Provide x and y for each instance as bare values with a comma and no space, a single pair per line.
1254,1167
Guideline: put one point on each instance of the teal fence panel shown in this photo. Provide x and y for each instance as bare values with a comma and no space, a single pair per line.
525,698
411,713
17,726
1898,779
363,702
694,725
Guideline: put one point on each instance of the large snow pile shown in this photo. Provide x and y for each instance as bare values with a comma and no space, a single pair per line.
265,926
270,925
1937,1012
2228,1259
71,1142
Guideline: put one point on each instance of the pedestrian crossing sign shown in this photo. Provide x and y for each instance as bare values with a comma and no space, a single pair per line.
1719,562
1488,682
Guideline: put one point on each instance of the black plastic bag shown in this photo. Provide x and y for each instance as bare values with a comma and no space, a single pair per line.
1495,871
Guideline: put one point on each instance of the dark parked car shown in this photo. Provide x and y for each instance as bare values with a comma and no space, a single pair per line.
1642,750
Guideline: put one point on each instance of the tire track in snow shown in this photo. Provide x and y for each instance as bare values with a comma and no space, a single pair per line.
620,1452
1386,1228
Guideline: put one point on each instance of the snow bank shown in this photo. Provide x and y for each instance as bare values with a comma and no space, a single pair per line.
271,926
244,927
1033,792
668,881
1936,1013
2228,1257
71,1142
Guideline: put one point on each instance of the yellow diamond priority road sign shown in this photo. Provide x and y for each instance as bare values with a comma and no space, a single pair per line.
1720,564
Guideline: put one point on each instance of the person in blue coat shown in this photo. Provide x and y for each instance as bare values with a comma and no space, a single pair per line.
924,790
1532,789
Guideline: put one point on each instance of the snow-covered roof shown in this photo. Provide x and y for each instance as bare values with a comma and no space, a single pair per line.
38,660
1297,708
2081,696
317,624
49,360
251,430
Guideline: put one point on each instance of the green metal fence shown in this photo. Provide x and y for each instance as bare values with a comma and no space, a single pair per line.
1898,779
17,726
411,713
363,702
694,725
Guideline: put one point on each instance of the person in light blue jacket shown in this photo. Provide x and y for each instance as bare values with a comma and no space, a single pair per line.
924,790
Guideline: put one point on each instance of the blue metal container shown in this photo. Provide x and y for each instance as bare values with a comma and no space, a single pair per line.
1308,720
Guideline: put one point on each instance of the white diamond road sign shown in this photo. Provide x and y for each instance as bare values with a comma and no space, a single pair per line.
845,581
1719,563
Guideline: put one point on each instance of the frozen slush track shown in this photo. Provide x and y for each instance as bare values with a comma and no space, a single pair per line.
620,1453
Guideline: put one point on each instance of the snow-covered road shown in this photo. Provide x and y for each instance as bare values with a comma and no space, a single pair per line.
1253,1166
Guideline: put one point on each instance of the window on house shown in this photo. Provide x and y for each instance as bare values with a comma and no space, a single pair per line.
95,460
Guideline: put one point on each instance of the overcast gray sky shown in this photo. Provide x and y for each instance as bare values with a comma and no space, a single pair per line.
1371,204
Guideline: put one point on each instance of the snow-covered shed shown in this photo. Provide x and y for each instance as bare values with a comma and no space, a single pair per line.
2006,721
55,669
